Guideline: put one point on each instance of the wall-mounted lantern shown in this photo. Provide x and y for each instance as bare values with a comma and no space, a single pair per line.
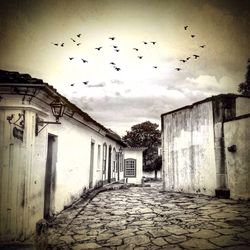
57,108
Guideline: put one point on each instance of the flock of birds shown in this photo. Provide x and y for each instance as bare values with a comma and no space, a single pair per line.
77,42
195,56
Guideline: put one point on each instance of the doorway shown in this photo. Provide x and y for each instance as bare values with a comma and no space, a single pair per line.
91,171
50,176
109,164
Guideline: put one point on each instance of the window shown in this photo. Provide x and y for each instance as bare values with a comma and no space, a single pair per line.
130,168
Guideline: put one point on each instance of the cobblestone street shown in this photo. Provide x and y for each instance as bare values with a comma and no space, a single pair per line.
145,218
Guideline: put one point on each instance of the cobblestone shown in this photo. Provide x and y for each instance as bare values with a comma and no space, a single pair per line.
142,218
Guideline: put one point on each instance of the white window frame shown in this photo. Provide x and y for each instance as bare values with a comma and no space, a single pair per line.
130,167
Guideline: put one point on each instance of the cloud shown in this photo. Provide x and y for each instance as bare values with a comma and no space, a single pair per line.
116,81
99,85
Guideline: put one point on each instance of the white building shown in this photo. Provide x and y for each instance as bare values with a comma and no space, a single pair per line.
47,165
133,164
206,147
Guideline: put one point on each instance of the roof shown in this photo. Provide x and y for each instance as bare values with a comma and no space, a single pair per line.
135,148
211,98
16,79
112,135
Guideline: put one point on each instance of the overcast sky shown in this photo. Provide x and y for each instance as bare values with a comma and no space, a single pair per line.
138,92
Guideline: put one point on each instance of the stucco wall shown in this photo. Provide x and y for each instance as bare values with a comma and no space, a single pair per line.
21,190
23,165
73,159
137,155
242,106
238,163
188,150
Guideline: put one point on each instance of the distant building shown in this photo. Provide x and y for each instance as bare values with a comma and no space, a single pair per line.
133,164
206,147
51,152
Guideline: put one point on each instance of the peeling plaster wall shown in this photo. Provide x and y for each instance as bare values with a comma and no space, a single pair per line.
237,133
189,157
20,195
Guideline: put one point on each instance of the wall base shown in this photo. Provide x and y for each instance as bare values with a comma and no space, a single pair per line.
222,193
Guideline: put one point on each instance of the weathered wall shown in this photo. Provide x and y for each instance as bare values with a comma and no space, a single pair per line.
137,155
242,106
72,171
23,166
20,194
237,133
188,150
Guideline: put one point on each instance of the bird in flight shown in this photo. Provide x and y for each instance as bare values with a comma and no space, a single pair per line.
135,49
188,58
203,46
185,27
56,44
71,58
84,61
86,82
140,57
183,61
115,47
196,56
153,43
117,69
78,44
112,63
72,84
192,36
145,42
73,40
112,38
62,44
79,35
155,67
99,48
117,50
178,69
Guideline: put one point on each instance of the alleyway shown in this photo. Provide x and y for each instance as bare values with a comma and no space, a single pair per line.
144,218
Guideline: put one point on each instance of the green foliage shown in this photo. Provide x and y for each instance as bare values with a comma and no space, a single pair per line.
147,135
244,87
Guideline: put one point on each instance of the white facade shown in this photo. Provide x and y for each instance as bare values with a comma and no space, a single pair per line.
41,174
133,165
194,141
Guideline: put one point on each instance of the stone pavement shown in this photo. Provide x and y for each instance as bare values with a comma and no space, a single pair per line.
143,218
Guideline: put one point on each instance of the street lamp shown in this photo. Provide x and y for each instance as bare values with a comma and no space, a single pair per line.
57,108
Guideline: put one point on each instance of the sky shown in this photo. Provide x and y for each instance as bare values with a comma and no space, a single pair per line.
138,92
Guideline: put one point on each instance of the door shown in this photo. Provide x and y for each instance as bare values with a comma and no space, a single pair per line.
91,171
109,165
49,187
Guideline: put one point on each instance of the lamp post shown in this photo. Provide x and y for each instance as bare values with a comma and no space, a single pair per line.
57,108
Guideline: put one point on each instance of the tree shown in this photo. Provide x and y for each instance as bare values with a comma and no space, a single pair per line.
244,87
146,135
